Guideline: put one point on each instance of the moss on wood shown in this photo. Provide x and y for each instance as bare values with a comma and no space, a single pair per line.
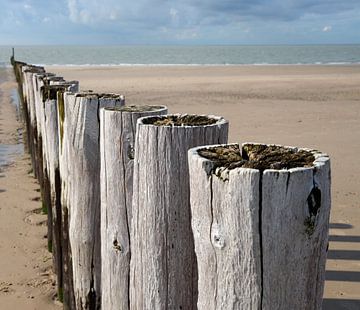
61,112
258,156
135,108
180,120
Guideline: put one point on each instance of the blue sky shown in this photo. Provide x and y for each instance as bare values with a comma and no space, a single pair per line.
118,22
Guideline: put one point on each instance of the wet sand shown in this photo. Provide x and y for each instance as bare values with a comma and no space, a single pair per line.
26,280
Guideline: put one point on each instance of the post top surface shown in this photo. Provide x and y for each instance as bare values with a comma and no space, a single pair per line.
182,120
260,156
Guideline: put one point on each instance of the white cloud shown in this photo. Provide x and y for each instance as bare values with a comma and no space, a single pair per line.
91,11
327,29
46,20
187,34
114,15
174,13
27,6
73,10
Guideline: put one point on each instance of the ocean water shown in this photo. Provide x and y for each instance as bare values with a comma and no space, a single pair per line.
184,55
8,152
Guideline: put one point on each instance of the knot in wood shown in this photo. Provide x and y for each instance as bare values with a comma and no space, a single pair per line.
117,246
130,152
314,204
217,239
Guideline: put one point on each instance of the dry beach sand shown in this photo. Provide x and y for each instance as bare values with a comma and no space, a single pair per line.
309,106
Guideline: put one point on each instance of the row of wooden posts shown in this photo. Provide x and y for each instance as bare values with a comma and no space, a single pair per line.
144,214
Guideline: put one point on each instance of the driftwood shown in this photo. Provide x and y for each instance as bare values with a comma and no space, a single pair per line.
117,139
79,136
260,222
163,272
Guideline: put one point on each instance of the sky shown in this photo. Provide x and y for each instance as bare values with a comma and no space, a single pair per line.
120,22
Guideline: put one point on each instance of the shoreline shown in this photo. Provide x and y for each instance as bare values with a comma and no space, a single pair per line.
169,65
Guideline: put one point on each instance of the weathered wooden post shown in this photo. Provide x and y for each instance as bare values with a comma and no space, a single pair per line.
39,81
79,126
117,139
51,155
163,272
260,219
29,96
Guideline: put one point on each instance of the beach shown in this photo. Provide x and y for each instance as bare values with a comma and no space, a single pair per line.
306,106
26,279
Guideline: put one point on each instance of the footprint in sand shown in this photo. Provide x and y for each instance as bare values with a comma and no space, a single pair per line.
35,217
6,287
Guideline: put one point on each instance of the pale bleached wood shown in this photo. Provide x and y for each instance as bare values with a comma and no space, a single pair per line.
51,155
65,103
40,81
163,266
117,139
225,224
29,71
287,241
294,252
83,191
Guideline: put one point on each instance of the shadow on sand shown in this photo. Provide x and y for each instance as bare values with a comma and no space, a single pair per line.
346,276
341,304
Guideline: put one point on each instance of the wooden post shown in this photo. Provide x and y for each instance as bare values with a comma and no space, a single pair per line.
39,80
51,155
12,58
163,266
260,219
117,139
31,121
79,135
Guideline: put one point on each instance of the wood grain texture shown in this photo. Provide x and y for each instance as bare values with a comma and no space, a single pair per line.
276,224
163,266
83,192
51,156
39,80
225,224
294,247
66,103
29,71
117,139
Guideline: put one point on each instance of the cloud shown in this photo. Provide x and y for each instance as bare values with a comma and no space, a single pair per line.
89,12
73,10
174,13
187,21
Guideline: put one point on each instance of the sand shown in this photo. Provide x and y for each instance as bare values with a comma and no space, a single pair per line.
26,279
308,106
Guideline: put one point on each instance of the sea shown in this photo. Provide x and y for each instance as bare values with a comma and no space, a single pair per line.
156,55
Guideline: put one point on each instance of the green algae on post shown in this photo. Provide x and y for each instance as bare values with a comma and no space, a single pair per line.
60,102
